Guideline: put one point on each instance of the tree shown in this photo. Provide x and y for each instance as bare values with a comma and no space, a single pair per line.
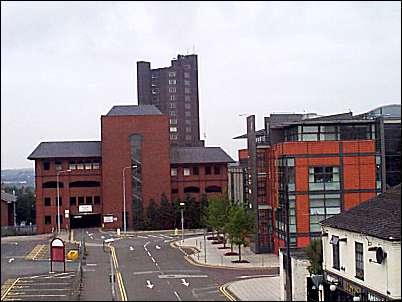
314,254
241,224
203,210
152,220
25,203
191,212
217,213
166,213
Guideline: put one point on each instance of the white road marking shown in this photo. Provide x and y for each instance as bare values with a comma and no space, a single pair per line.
145,272
167,240
149,284
253,276
181,276
149,254
184,282
154,236
131,248
142,237
102,237
91,264
177,295
158,247
153,260
11,260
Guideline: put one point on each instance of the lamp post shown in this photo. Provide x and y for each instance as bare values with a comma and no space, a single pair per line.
182,222
58,198
124,197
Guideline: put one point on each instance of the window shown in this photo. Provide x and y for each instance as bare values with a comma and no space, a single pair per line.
173,136
188,122
186,83
72,165
359,260
217,170
47,202
95,165
187,98
97,199
172,113
89,200
187,66
323,178
191,190
73,201
48,219
173,97
173,129
88,166
188,129
188,137
173,121
61,219
172,89
46,165
58,166
187,113
175,191
155,91
186,171
52,184
173,172
186,75
335,251
208,170
80,166
172,74
187,106
187,90
323,206
292,213
213,189
80,200
172,82
84,184
172,105
195,171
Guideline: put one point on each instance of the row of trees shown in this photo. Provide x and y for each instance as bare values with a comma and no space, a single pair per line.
233,220
25,205
167,215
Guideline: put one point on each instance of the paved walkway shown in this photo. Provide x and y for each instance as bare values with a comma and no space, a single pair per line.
216,257
252,289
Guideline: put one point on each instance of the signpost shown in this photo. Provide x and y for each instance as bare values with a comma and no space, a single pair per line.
57,253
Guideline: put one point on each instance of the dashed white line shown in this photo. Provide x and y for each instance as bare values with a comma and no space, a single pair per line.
152,258
149,254
177,295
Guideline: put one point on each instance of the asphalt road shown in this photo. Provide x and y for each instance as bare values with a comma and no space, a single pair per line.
151,270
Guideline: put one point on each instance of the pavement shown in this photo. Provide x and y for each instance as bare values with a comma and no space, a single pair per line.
250,288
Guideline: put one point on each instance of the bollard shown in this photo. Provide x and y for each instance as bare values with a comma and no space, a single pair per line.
118,231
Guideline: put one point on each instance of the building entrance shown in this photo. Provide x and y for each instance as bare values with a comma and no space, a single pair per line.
85,221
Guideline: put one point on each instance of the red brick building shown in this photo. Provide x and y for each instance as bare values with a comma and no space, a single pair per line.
134,139
7,209
306,170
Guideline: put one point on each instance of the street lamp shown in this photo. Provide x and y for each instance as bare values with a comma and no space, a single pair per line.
182,221
58,198
124,197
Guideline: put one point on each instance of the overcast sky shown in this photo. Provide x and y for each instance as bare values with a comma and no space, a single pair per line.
64,64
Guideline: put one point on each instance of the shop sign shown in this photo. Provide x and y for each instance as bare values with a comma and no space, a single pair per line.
85,208
351,288
372,297
107,219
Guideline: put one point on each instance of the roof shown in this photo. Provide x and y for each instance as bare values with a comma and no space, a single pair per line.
260,132
190,155
67,149
134,110
8,197
378,217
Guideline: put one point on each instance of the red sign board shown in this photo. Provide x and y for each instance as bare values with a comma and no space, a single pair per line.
57,252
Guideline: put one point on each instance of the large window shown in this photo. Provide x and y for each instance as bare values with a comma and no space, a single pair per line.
359,260
136,180
324,178
335,252
323,206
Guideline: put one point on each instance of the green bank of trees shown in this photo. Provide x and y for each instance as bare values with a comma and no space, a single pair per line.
25,204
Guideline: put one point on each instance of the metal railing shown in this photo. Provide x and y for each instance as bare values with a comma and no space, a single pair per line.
76,286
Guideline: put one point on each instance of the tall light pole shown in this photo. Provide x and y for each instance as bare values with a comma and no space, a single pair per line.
124,197
182,222
58,198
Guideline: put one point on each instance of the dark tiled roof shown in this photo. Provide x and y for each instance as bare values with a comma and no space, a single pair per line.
189,155
8,197
379,217
67,149
134,110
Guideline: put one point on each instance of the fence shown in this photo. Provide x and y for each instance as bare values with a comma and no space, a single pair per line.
18,230
76,286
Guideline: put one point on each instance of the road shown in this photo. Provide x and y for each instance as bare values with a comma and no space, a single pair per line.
149,269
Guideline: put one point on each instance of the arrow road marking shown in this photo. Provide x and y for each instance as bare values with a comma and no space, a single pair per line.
158,247
11,260
131,248
184,282
102,237
177,295
149,284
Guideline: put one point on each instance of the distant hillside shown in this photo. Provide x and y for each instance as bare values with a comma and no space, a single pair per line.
18,177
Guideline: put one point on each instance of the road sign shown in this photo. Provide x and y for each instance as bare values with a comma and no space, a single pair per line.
57,252
66,213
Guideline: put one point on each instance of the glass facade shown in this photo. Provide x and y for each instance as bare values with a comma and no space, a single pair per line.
323,206
136,179
392,140
324,178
